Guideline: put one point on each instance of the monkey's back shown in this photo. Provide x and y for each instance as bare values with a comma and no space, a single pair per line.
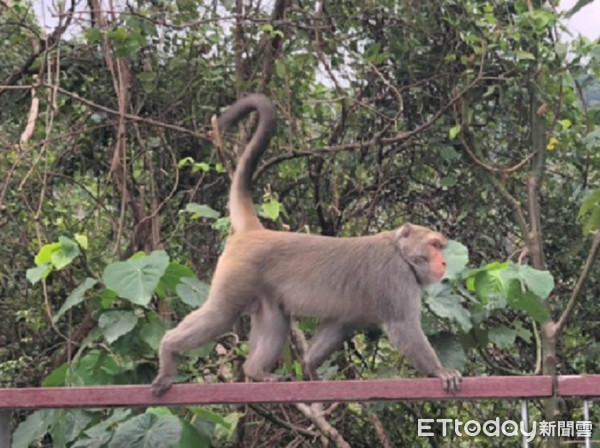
325,277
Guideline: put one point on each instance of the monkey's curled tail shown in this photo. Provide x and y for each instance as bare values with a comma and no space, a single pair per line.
241,208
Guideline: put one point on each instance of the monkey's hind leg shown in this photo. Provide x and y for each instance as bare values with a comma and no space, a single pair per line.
197,328
269,330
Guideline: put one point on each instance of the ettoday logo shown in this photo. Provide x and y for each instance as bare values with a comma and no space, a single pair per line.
508,428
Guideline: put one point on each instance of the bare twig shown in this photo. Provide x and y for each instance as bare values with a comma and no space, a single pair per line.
400,137
381,432
391,86
274,419
113,112
314,414
44,45
589,263
492,168
31,118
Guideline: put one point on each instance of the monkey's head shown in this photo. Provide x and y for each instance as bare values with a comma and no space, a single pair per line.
422,249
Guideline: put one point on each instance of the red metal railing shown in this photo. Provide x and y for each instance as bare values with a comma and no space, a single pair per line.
474,388
285,392
426,389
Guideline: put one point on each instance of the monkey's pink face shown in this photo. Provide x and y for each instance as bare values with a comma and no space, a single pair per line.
437,261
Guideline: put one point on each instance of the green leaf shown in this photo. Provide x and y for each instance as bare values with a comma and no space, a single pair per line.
209,416
33,428
490,90
59,254
448,153
499,281
542,19
541,283
185,162
228,429
201,166
192,291
267,28
589,212
34,275
201,211
76,297
271,208
448,181
449,307
75,421
148,431
222,225
566,123
280,69
528,302
152,333
147,76
524,56
592,139
99,435
504,337
373,54
58,429
457,257
82,240
489,281
115,324
192,437
561,49
58,377
454,131
590,202
44,256
95,367
93,35
65,255
159,411
173,275
592,223
107,298
136,279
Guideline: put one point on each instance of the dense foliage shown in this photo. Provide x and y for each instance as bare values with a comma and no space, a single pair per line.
473,117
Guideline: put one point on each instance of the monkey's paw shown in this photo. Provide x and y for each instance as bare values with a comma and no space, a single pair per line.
451,379
160,385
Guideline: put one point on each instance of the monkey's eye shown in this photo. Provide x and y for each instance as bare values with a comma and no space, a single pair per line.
436,244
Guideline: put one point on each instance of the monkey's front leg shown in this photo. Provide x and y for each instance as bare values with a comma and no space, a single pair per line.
167,368
329,338
409,338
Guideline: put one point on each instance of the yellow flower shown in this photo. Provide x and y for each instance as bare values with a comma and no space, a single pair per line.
551,144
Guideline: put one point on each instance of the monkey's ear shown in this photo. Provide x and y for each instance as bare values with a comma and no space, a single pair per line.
404,231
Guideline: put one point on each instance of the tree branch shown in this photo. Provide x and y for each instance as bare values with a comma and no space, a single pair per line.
315,414
589,263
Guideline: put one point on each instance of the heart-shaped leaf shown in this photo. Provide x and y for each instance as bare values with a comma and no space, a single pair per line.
136,280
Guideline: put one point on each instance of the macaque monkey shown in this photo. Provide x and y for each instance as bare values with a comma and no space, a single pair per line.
345,282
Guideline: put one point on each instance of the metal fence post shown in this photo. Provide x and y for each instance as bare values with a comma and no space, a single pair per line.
586,417
525,421
5,418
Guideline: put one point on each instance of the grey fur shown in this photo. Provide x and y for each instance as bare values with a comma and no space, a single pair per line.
346,282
